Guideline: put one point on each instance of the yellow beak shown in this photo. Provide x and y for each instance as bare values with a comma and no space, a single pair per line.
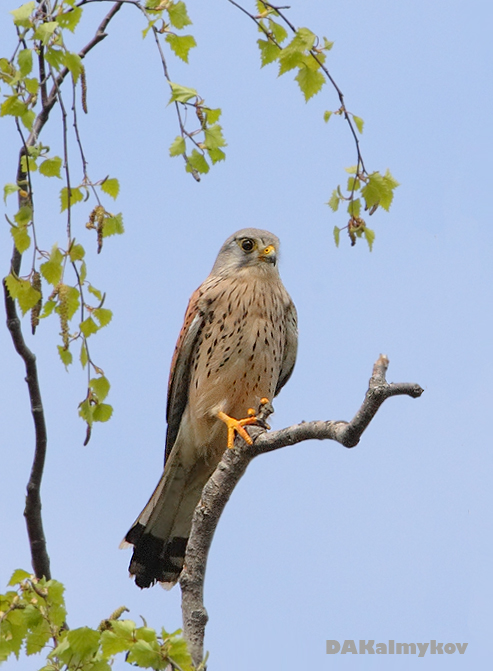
268,254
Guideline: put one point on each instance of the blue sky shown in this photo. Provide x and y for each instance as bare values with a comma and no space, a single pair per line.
390,540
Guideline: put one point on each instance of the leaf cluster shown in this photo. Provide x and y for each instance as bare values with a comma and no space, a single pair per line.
304,53
212,136
39,32
41,41
203,142
369,190
33,619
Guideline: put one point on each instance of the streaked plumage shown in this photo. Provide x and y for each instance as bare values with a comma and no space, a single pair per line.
237,345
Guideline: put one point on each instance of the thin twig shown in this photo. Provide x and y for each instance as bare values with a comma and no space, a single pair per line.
233,464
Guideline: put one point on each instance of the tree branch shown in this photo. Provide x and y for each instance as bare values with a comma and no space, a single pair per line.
233,464
32,512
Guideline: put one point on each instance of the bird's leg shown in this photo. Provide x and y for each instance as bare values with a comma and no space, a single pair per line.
236,425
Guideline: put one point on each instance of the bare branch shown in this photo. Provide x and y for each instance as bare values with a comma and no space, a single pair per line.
32,512
233,464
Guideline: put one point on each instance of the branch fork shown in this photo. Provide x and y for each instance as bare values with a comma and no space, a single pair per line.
234,463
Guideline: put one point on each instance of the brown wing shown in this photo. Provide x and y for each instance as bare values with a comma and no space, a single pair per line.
290,347
179,377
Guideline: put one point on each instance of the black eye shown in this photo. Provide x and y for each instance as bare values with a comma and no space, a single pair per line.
247,245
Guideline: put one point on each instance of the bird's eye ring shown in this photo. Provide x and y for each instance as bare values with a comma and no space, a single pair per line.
247,245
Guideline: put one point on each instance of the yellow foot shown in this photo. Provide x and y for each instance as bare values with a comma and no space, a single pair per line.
235,426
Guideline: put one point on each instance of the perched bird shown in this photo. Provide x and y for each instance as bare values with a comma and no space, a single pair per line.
236,350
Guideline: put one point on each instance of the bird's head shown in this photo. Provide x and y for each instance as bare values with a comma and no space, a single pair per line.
248,248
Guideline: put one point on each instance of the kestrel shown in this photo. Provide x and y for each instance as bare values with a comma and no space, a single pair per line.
235,351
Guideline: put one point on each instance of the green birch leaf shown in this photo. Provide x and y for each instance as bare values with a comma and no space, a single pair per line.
181,94
288,60
13,285
95,292
37,637
83,354
65,355
111,187
28,162
88,327
52,269
74,63
146,634
390,184
124,628
83,272
8,189
214,137
44,31
178,146
102,413
148,28
178,16
13,106
269,52
77,253
354,207
75,197
379,190
48,308
334,201
337,235
113,225
84,643
352,170
25,61
21,238
55,57
216,155
147,655
310,82
32,85
51,167
359,123
103,315
353,183
28,119
22,14
370,237
24,215
327,115
70,19
279,32
111,644
181,45
196,160
18,575
100,387
302,41
26,295
212,115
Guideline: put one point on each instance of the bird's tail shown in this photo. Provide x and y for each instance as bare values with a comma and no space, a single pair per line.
160,533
